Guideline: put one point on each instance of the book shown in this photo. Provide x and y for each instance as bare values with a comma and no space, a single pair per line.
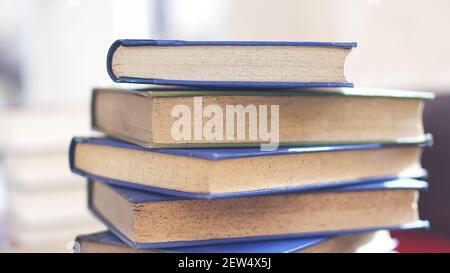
41,129
46,209
221,172
229,63
40,172
150,220
48,240
106,242
304,116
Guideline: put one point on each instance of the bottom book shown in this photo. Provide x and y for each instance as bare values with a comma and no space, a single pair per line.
380,241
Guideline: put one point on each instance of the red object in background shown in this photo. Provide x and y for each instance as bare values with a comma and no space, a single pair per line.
421,242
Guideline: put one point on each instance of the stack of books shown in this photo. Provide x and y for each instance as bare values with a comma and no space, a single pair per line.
45,208
249,147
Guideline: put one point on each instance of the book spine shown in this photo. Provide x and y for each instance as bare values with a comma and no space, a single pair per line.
93,109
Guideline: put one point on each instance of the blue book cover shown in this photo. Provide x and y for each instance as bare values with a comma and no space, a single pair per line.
136,196
270,246
219,83
217,154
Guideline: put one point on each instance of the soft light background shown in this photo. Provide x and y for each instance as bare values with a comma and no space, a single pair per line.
52,52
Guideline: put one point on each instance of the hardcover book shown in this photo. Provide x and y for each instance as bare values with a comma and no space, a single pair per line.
229,63
303,116
150,220
221,172
107,242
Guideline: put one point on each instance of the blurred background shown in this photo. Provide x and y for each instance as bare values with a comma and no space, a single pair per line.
52,53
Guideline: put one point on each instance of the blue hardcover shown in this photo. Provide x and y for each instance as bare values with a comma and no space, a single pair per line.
136,196
274,246
140,196
134,43
230,153
244,152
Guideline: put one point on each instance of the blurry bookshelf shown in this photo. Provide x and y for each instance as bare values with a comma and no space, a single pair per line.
44,205
46,76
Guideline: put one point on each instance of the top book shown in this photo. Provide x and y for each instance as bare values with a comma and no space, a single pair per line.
229,63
